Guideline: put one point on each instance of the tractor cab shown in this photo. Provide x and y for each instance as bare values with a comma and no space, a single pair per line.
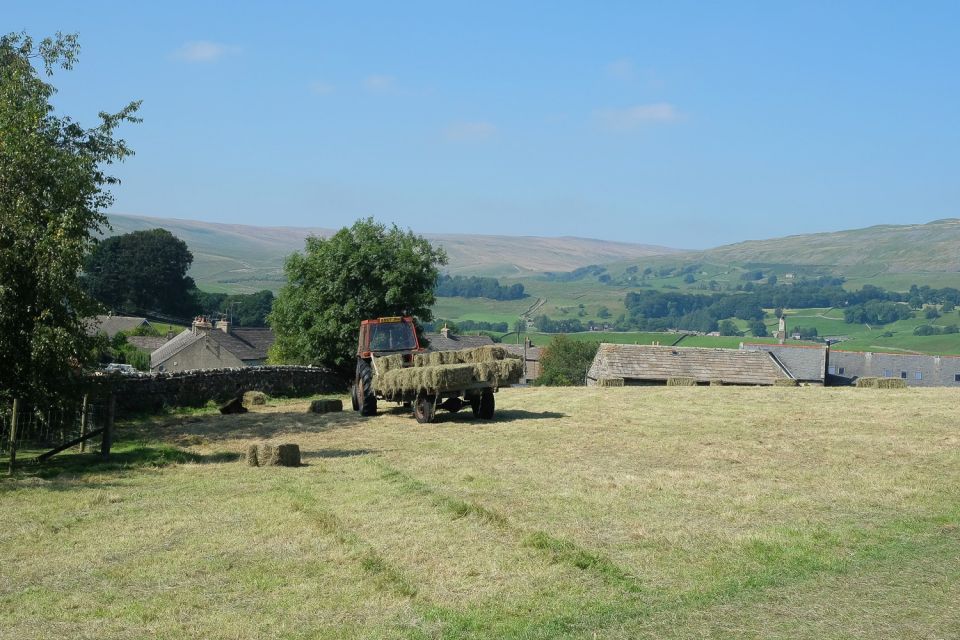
383,336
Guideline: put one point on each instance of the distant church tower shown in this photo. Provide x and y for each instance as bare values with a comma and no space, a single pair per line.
782,330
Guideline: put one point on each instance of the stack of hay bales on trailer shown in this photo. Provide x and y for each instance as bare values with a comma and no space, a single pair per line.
439,372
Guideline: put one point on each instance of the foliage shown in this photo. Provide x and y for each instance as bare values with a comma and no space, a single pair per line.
877,312
363,271
477,287
53,186
758,329
141,272
465,325
564,362
930,330
565,325
245,309
728,328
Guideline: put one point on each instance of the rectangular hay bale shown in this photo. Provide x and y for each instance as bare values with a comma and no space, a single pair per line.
680,381
325,406
891,383
610,382
279,455
868,383
785,382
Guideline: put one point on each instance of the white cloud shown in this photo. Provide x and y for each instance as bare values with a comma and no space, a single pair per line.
469,131
319,88
380,83
204,51
632,118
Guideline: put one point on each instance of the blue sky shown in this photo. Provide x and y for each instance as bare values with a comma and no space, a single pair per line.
683,124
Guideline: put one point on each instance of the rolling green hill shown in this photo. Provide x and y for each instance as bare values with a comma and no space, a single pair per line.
240,258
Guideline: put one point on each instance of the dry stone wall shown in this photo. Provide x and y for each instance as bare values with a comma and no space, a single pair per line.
195,388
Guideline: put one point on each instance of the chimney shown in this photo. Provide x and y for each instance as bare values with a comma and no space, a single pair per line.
201,325
224,325
445,332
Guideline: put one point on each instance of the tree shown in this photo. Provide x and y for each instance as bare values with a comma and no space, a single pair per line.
564,362
142,272
363,271
758,329
53,186
728,328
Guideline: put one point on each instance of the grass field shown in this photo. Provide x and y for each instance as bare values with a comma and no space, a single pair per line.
578,513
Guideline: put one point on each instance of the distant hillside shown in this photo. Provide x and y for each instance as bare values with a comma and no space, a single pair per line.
931,247
246,258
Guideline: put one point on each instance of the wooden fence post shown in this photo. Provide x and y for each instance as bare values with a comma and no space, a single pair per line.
108,430
83,422
13,435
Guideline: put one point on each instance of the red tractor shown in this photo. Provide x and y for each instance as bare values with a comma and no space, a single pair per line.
380,337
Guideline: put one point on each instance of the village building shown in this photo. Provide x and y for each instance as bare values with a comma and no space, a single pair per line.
805,363
446,340
208,346
531,359
654,365
111,325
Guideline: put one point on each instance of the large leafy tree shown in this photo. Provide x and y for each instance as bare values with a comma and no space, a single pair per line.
564,362
142,272
364,271
53,186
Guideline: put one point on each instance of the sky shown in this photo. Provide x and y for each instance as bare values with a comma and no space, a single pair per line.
681,124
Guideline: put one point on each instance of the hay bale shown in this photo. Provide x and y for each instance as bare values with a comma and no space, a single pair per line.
868,383
785,382
325,406
255,398
716,383
680,381
233,406
891,383
448,372
278,455
382,364
251,457
609,382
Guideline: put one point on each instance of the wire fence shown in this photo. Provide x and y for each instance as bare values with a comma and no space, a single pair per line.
48,427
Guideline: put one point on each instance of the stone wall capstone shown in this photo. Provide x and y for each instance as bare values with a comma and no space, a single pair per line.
157,391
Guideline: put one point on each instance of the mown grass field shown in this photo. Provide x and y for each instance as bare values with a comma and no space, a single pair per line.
577,513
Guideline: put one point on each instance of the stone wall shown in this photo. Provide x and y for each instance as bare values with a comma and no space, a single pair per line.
195,388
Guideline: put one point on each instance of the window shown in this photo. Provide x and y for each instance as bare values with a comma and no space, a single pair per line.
832,370
886,373
956,377
903,374
841,370
918,375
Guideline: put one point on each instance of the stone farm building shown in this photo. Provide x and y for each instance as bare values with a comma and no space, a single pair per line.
111,325
205,346
447,341
653,364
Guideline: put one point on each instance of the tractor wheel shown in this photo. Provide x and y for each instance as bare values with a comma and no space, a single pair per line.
486,405
366,399
424,409
353,397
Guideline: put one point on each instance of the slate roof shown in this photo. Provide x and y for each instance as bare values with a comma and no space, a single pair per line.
112,325
176,344
245,343
804,362
147,343
451,342
657,363
933,371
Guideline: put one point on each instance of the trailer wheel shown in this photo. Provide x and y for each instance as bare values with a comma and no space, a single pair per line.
485,405
475,406
424,409
366,399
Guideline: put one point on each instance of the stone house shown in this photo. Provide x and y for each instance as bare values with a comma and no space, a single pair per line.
447,341
208,346
805,363
111,325
531,359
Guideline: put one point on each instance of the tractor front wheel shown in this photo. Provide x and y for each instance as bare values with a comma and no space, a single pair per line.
363,390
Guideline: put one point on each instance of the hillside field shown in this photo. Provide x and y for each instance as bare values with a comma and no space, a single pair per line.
662,512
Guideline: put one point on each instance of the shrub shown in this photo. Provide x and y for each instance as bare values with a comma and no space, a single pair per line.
564,362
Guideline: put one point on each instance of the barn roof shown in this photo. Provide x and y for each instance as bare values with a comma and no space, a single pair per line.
658,363
246,343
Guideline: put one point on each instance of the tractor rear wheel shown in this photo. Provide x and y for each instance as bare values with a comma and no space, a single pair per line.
486,405
353,397
366,399
424,409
